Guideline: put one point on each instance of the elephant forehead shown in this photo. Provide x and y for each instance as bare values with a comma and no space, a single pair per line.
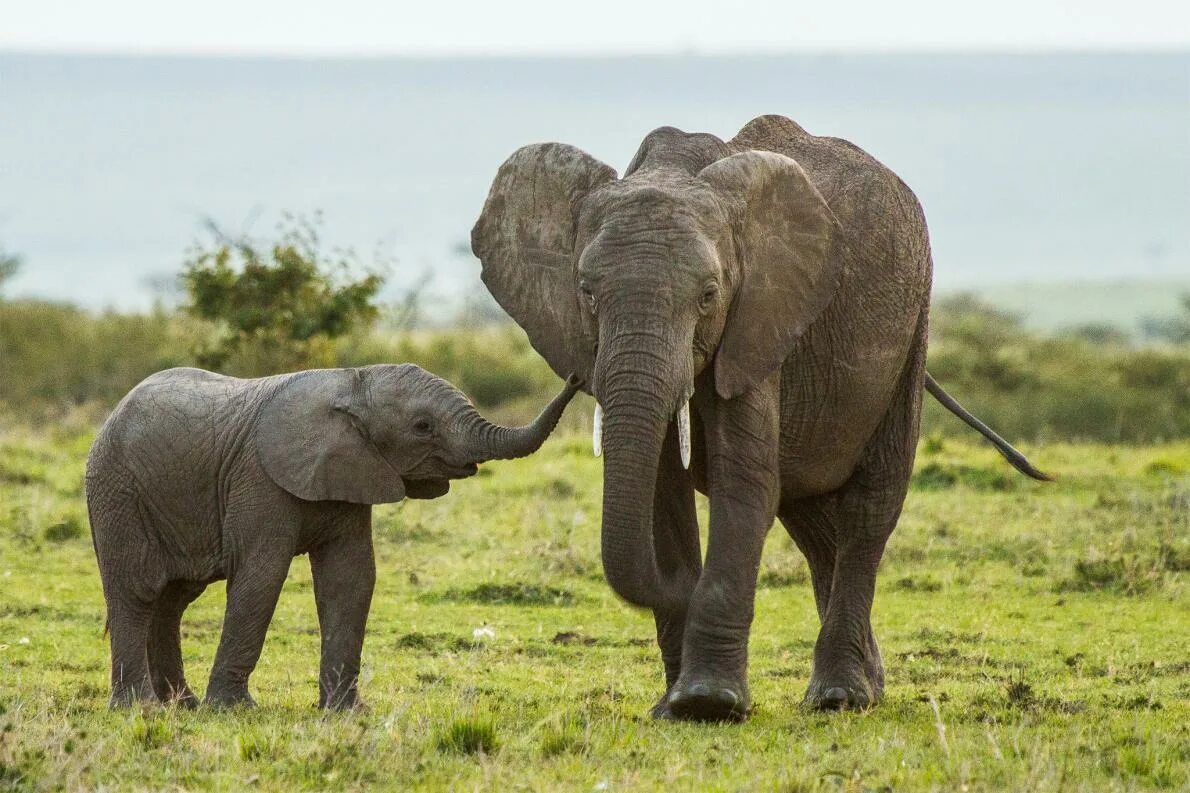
644,248
409,387
660,205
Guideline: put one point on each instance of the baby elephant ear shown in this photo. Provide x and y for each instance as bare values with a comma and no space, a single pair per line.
314,440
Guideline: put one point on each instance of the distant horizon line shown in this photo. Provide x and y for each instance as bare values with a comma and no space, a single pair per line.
581,55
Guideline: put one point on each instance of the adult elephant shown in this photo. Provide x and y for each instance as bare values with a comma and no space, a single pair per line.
751,318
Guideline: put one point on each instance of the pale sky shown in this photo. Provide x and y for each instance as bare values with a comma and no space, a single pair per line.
427,27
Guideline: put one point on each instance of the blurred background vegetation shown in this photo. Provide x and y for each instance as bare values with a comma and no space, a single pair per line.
253,308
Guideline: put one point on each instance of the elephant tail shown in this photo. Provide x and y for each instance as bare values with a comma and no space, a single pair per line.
1015,458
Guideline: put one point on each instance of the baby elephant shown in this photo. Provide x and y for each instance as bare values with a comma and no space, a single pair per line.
197,477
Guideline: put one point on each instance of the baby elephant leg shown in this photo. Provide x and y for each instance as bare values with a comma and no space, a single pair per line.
252,592
165,643
344,572
128,623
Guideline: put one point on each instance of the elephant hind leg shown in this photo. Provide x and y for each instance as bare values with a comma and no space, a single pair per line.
810,522
132,583
165,643
128,622
843,535
848,670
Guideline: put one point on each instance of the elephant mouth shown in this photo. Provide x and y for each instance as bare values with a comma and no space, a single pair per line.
426,488
455,471
462,471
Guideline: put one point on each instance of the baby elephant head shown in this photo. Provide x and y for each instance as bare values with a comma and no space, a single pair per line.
376,434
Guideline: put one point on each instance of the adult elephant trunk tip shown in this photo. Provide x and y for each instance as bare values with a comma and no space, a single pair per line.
495,442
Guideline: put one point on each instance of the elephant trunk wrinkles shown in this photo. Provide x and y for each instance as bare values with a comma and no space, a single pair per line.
638,393
490,441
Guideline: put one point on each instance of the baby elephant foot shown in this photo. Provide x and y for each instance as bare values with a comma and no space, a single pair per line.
709,699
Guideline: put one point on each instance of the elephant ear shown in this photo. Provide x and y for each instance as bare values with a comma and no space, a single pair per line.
791,257
525,239
313,440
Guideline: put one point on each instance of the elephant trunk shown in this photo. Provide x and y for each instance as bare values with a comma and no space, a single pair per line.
637,392
489,441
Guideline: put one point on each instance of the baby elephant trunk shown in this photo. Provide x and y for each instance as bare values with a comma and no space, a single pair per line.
494,442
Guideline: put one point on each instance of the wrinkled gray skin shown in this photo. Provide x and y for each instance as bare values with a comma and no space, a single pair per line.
197,477
783,280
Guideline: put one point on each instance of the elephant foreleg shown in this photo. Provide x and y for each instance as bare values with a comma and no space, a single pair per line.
676,544
252,592
741,441
344,572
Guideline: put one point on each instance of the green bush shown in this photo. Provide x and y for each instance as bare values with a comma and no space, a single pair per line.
274,307
473,735
56,356
1028,387
1032,387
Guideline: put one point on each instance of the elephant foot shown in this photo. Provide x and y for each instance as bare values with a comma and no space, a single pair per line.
183,698
709,700
346,702
842,692
842,681
132,695
222,699
660,711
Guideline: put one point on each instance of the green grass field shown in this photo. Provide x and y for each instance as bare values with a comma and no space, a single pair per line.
1036,638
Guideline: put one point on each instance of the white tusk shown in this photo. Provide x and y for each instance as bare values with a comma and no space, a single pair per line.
684,432
597,431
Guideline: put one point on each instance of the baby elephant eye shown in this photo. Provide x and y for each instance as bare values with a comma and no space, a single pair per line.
423,426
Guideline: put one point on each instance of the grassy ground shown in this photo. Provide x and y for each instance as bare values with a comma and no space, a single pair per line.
1035,637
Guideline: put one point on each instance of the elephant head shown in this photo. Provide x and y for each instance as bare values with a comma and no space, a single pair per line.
705,256
376,434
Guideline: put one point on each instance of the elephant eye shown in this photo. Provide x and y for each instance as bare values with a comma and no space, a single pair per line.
423,427
587,295
709,293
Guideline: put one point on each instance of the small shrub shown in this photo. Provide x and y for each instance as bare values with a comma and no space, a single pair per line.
253,746
517,594
1020,694
1165,466
933,443
150,732
1174,560
940,476
425,641
473,735
275,307
1122,574
565,736
69,528
790,573
21,771
924,584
